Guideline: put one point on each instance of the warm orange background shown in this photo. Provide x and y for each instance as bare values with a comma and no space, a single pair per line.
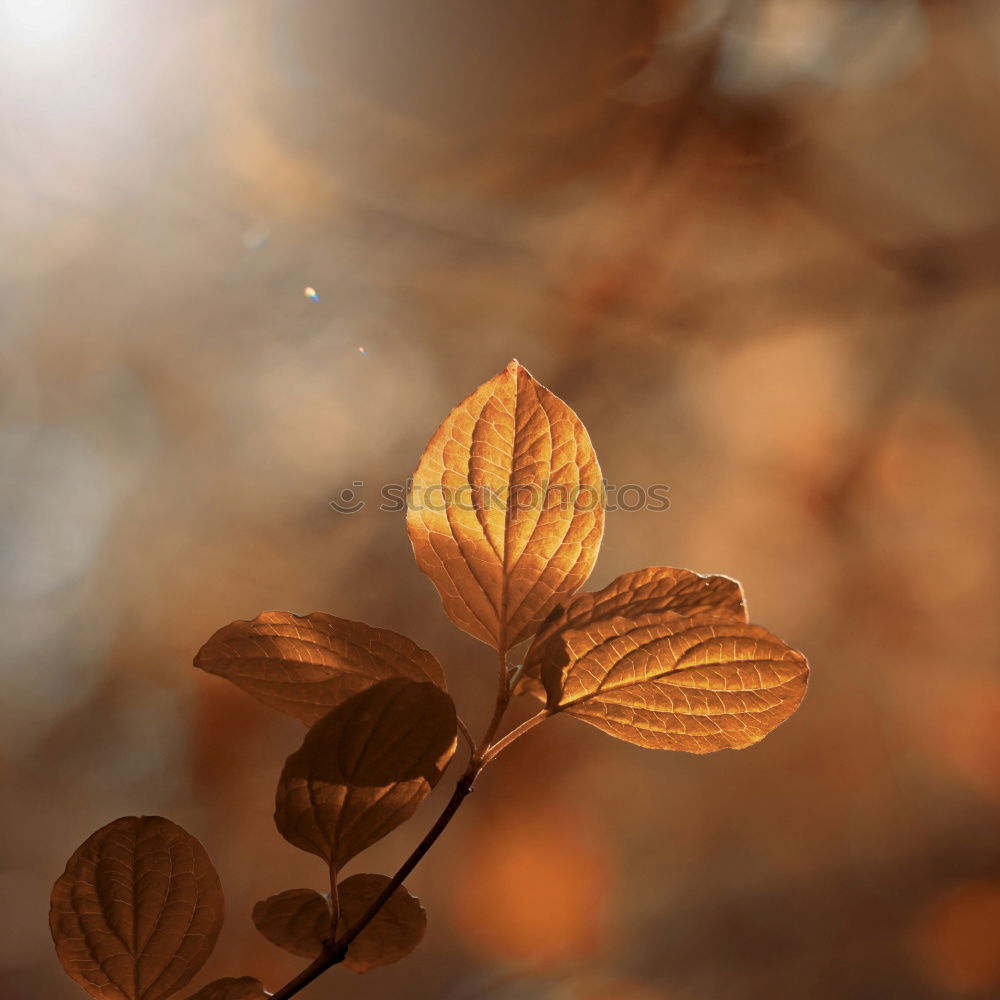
763,271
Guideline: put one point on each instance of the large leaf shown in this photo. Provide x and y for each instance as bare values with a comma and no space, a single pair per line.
506,508
298,920
393,933
671,682
307,665
137,911
364,768
243,988
643,592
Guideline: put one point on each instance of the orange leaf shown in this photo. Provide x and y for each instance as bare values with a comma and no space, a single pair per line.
643,592
137,911
506,508
364,768
670,682
394,931
305,666
298,920
243,988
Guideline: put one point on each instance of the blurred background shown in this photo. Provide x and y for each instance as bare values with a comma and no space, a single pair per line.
254,251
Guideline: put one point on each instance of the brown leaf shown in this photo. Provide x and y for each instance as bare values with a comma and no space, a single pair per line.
137,911
506,508
643,592
243,988
393,933
670,682
305,666
298,920
364,768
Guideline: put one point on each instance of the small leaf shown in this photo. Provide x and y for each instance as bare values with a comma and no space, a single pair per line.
394,931
364,768
137,911
298,920
670,682
243,988
305,666
506,508
643,592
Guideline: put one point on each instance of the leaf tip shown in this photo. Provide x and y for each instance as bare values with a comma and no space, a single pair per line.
516,370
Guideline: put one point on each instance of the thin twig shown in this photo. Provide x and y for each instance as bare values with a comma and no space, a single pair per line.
337,951
514,734
503,700
466,735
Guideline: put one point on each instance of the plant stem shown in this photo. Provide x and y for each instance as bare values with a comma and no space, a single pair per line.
503,700
514,734
337,951
466,735
327,959
462,789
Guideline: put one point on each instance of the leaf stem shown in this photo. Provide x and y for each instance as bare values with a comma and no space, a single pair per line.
466,735
503,700
514,734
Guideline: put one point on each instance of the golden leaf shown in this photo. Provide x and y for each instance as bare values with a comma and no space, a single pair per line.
243,988
298,920
305,666
506,508
670,682
643,592
137,911
364,768
394,931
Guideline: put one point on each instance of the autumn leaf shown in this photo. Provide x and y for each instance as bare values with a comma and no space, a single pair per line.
671,682
364,768
243,988
307,665
298,920
137,911
394,931
645,591
506,508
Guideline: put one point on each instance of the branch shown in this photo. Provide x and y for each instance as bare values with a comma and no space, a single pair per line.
503,700
337,951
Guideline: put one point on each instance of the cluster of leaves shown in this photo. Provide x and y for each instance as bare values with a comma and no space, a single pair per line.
662,658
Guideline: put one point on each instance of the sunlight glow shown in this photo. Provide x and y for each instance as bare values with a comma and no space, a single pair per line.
43,24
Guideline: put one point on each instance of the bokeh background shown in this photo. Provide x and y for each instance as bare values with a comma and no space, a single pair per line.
755,244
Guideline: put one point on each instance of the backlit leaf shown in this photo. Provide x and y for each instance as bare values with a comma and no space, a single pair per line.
364,768
646,591
243,988
506,508
137,911
393,933
670,682
306,665
298,920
